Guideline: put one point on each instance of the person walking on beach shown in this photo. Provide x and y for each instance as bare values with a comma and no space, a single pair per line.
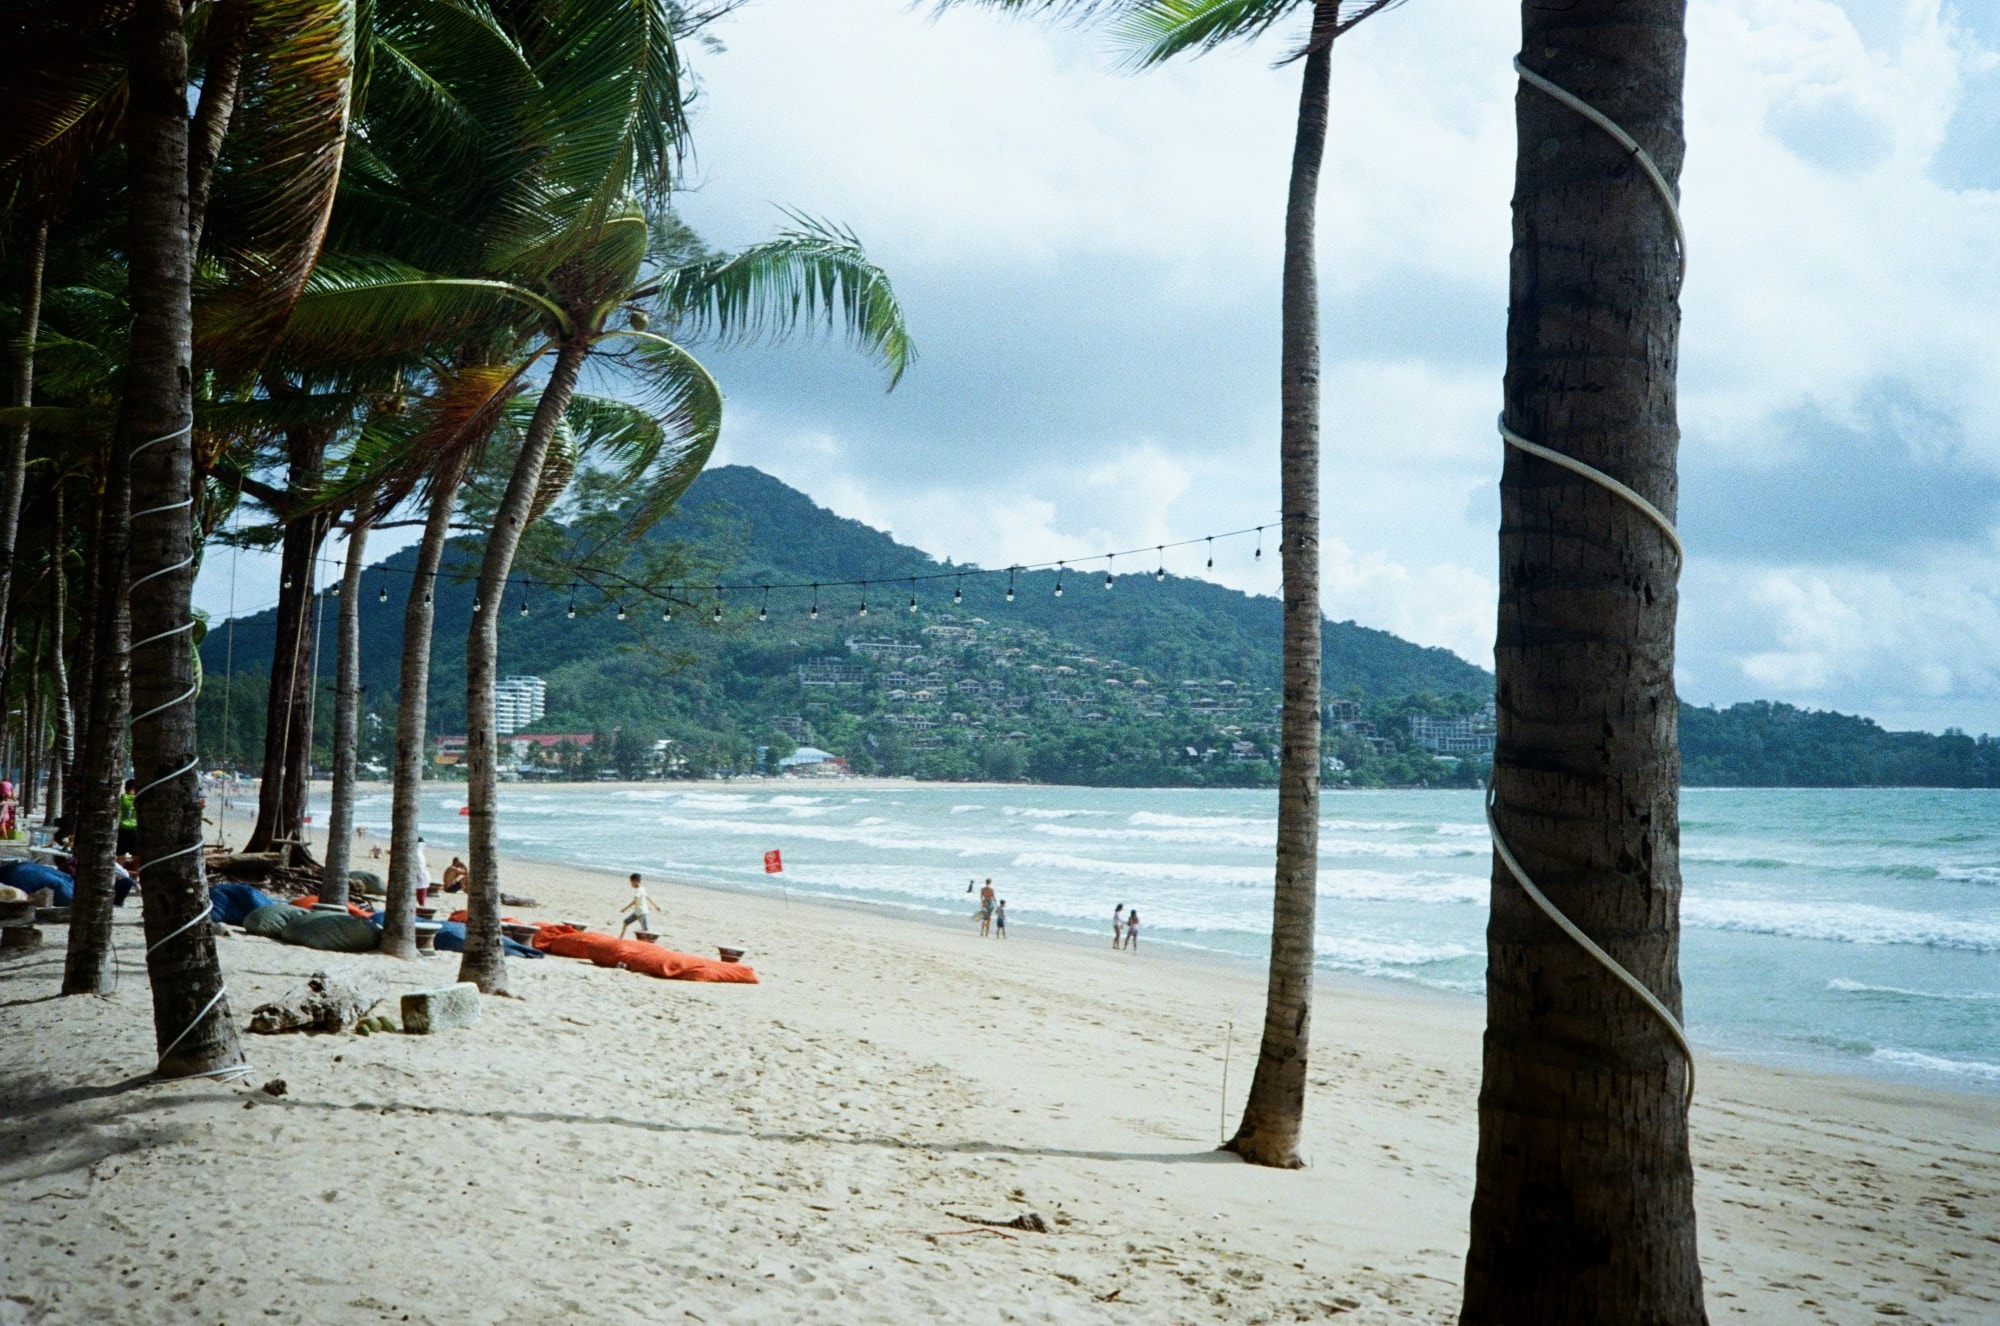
639,910
1000,920
986,899
423,876
1118,927
1132,930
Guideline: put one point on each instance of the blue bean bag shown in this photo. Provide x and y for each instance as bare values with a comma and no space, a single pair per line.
451,939
33,876
233,902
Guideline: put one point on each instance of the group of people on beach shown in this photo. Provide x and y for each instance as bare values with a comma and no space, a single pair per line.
1125,929
992,913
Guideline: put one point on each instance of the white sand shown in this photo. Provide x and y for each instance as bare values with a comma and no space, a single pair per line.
614,1148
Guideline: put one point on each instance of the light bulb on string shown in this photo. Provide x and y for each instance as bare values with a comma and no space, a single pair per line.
572,602
1211,552
288,581
667,609
475,607
335,591
764,608
958,591
382,595
1109,562
864,599
1010,584
524,603
1258,556
718,612
1161,574
1059,571
621,612
815,607
913,593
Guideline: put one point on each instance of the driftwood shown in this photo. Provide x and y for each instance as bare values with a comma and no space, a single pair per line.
326,1002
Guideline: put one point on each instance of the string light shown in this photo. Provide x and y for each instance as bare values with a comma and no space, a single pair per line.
335,591
524,600
764,608
815,610
383,595
958,591
718,605
1161,574
1211,553
1258,556
621,612
1109,562
288,580
913,593
667,608
864,598
475,607
1059,571
572,600
1010,584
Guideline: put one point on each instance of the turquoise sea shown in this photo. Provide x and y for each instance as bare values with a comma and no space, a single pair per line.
1855,931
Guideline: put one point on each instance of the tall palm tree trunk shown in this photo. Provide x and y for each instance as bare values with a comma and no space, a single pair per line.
191,1022
63,753
89,623
1269,1132
412,721
1583,1204
14,460
101,772
34,741
485,962
346,708
281,790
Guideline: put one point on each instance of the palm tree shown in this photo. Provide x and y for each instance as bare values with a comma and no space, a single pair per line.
191,1018
1152,32
1583,1205
346,708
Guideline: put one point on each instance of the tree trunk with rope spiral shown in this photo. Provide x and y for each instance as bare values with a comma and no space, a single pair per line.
485,961
191,1020
1269,1131
1583,1205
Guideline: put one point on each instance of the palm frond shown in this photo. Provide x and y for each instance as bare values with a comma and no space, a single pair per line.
816,273
660,462
1154,31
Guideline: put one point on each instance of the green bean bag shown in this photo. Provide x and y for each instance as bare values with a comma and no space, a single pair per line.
272,921
332,932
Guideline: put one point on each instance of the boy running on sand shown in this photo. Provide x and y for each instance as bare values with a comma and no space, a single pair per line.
639,909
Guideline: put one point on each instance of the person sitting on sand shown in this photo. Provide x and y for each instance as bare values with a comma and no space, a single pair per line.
1132,930
986,898
639,909
1000,920
455,876
1118,927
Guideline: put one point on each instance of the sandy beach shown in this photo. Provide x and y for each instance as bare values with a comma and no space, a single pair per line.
614,1148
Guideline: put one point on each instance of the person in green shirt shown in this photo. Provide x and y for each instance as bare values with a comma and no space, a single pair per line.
128,822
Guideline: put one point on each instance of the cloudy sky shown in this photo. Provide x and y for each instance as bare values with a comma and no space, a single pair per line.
1090,260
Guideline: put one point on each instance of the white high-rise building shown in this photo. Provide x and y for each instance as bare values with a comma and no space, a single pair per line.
517,702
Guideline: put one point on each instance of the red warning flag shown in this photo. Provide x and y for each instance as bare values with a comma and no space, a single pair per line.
773,863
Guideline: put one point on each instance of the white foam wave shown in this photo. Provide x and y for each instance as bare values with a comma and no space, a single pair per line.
1368,826
1979,1070
715,801
1373,953
1851,923
1845,986
1406,851
1156,820
965,809
1158,870
1044,813
789,800
1190,836
1460,830
1970,874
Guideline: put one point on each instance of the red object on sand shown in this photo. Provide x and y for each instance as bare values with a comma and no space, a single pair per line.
773,863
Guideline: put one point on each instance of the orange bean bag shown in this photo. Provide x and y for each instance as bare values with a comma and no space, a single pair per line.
311,900
634,955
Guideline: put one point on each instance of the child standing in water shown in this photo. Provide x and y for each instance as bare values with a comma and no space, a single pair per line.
1000,920
1132,930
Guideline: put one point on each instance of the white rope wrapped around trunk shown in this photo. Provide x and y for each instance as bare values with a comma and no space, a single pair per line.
1652,513
186,697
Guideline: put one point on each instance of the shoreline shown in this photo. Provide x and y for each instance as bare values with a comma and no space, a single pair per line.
1718,1043
812,1148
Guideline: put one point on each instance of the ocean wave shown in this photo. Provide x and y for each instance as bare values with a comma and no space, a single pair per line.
1970,874
1044,813
1405,851
1461,831
1217,837
1853,923
1373,953
1155,820
794,800
1978,1070
1185,872
1844,986
715,801
965,809
1368,826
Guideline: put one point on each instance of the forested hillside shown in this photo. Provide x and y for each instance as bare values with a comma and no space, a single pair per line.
1152,682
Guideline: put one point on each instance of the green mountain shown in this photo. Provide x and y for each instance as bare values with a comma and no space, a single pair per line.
1153,682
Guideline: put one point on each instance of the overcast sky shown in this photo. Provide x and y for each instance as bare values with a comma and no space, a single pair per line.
1089,259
